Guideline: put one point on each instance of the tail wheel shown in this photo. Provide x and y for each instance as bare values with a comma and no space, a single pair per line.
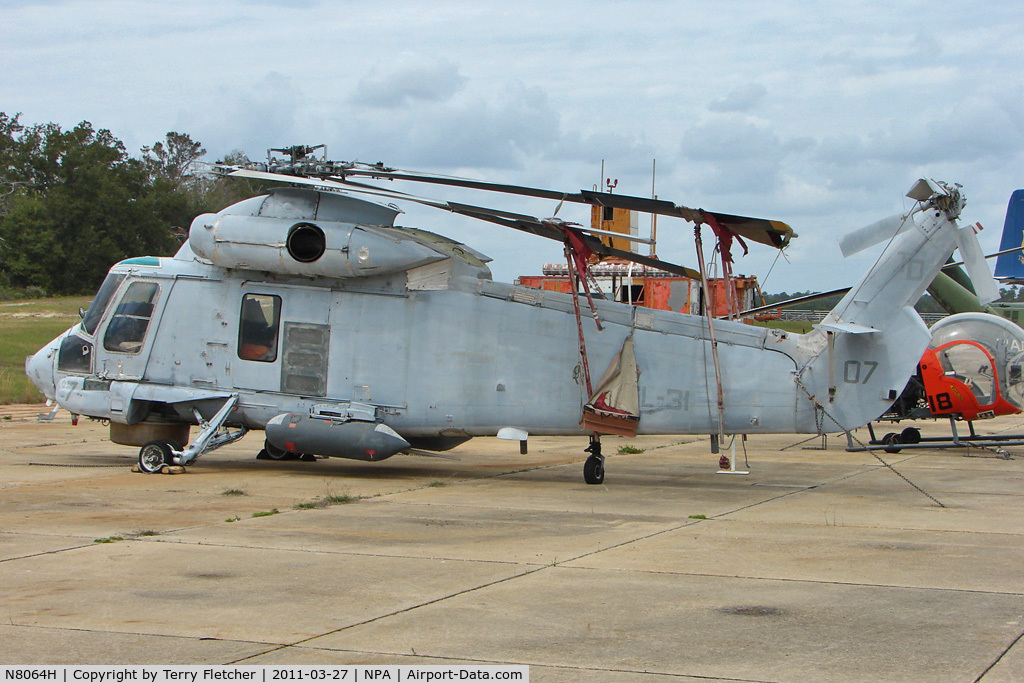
593,470
154,455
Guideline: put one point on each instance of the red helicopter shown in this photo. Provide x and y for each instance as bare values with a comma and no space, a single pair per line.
971,371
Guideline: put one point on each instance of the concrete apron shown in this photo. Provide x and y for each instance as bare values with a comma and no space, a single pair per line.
819,565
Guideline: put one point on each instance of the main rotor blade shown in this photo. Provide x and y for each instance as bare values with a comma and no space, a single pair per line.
824,295
545,229
807,298
772,233
281,178
668,267
987,256
508,219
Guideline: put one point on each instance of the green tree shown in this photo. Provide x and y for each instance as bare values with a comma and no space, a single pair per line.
173,159
73,202
83,205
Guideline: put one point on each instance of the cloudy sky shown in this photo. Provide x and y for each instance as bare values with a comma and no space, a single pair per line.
818,113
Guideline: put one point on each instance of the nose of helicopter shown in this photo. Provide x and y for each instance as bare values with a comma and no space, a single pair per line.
40,368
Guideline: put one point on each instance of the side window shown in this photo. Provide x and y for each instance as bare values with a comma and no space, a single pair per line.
128,325
257,328
75,355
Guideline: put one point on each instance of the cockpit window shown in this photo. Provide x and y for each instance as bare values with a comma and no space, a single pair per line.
127,328
99,303
257,328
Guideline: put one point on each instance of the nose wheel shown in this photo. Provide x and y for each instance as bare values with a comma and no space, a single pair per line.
593,468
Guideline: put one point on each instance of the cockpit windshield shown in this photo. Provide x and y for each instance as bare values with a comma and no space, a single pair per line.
1000,375
101,301
969,364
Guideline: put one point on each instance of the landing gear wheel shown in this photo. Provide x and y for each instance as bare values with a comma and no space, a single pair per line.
154,455
275,453
892,441
910,435
593,469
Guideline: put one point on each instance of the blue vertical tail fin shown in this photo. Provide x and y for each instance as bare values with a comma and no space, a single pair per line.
1012,265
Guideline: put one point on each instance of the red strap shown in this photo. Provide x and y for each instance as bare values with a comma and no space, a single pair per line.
725,237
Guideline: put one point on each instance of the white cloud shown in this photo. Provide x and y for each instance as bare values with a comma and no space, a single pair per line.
818,114
742,99
412,79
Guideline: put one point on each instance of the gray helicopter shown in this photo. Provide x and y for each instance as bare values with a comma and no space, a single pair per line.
309,314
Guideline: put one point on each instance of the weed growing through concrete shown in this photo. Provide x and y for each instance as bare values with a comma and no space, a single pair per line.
109,539
340,499
327,501
234,492
232,519
698,516
266,513
630,450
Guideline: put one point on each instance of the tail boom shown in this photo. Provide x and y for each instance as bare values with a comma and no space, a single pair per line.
861,355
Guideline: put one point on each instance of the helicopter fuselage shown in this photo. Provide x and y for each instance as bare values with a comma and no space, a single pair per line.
307,304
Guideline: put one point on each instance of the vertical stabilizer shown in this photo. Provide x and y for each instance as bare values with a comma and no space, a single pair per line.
863,352
1012,265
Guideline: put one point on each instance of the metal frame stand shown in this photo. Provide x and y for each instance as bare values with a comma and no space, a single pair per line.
732,461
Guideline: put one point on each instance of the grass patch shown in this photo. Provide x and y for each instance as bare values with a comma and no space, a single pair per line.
234,492
25,327
266,513
147,532
437,483
232,519
698,516
109,539
630,450
798,326
310,506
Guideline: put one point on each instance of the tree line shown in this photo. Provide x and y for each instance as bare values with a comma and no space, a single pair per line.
74,202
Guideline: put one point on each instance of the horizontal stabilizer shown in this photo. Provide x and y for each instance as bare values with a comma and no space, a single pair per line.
845,328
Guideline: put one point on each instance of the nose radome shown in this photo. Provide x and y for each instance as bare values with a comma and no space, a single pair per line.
39,368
